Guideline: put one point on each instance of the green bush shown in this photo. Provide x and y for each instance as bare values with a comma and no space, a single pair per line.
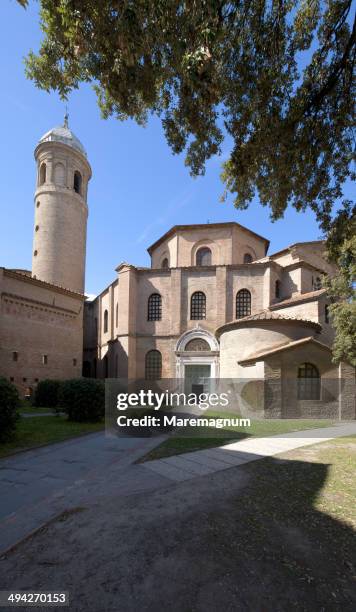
9,401
47,394
83,399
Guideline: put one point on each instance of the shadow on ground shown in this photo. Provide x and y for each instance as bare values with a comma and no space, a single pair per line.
248,538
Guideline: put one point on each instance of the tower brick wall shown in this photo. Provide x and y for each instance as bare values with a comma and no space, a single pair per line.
59,241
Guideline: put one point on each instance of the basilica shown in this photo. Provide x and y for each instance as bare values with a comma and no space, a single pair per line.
214,304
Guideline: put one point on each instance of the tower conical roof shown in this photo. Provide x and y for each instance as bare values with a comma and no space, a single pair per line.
65,135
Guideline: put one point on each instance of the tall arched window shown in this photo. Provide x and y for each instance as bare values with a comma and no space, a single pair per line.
247,258
43,172
203,257
308,382
117,315
154,307
106,321
165,263
153,365
243,303
198,306
277,289
59,174
77,183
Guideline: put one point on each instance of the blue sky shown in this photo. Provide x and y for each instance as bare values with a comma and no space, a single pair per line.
138,190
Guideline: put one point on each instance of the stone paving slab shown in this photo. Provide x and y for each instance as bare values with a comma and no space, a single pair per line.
230,457
225,457
204,459
195,468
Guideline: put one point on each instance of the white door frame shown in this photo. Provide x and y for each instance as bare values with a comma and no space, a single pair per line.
197,357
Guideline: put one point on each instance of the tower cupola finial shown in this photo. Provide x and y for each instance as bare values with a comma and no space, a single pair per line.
66,118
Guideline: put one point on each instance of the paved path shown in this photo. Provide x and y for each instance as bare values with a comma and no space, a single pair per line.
27,415
37,485
208,461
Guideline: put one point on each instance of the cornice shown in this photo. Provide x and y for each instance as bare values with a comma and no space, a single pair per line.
19,299
40,283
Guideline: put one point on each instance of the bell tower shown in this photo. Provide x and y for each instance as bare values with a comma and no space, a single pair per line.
61,210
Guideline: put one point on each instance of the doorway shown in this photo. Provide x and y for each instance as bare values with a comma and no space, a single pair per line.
197,378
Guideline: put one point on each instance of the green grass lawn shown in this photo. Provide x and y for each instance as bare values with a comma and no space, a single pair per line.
337,497
38,431
177,443
290,531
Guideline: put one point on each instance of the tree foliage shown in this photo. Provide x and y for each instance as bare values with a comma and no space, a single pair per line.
342,289
276,77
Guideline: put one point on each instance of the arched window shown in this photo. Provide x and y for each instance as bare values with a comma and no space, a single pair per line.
165,263
198,306
77,183
59,174
153,365
43,171
243,303
247,258
203,257
308,382
317,284
106,321
154,307
117,315
277,289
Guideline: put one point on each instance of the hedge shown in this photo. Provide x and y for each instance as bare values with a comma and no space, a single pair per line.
9,401
83,399
47,394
